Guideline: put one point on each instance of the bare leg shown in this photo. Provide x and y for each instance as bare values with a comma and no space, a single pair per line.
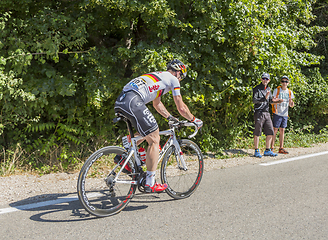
152,152
281,137
268,141
151,163
256,142
274,136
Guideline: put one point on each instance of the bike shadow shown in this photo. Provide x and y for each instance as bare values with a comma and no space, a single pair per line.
53,207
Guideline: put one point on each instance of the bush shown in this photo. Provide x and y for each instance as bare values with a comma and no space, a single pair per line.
63,63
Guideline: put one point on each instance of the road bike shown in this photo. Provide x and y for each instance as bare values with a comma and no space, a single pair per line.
110,176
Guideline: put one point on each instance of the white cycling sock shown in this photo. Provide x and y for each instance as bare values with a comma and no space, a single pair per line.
150,178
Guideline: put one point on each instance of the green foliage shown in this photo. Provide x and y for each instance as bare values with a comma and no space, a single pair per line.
320,10
63,63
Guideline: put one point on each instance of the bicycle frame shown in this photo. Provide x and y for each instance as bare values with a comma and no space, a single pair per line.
107,195
172,140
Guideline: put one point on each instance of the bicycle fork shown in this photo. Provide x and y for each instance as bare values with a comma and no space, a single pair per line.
179,155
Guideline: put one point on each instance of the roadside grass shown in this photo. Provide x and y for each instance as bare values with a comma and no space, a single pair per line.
11,160
293,139
17,161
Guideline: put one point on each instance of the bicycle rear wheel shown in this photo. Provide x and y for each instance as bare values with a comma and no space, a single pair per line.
182,183
97,192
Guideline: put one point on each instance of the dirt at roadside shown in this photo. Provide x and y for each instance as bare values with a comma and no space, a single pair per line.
29,188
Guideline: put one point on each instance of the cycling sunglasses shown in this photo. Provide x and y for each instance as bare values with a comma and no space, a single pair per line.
182,76
284,81
266,79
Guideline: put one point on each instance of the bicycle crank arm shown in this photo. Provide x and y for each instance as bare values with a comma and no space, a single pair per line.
127,182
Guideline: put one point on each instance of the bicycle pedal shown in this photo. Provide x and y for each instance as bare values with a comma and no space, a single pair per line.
142,182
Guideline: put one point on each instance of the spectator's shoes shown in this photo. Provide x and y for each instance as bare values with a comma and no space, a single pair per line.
270,153
157,188
283,151
257,153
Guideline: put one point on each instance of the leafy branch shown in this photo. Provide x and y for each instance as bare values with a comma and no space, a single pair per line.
32,54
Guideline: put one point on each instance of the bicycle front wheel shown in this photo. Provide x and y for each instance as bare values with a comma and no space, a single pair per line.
182,182
98,192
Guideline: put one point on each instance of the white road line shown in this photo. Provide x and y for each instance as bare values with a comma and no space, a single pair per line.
293,159
37,205
46,203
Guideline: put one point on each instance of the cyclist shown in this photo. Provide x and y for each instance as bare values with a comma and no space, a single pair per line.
132,104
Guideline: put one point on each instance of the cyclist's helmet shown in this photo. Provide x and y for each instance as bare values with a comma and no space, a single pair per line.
177,65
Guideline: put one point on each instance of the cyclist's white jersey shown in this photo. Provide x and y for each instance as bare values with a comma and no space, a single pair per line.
153,85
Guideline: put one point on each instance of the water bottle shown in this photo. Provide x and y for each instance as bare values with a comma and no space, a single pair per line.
142,153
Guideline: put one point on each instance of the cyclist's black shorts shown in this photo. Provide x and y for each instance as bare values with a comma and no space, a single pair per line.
131,105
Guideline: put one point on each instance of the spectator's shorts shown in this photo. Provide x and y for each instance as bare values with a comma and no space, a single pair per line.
131,105
279,121
263,120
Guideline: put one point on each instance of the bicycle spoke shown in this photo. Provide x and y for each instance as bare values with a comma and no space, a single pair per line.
182,183
98,193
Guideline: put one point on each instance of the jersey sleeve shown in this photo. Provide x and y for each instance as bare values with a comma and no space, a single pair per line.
292,95
175,86
275,92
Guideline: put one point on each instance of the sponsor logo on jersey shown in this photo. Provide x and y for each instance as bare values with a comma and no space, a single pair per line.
133,85
137,83
120,103
153,88
149,116
122,97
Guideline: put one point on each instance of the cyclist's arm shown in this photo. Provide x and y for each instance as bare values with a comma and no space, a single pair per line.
160,108
182,108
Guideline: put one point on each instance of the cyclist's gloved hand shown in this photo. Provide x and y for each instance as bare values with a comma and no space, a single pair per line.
198,122
172,119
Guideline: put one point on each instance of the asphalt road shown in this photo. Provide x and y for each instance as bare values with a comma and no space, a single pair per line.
283,201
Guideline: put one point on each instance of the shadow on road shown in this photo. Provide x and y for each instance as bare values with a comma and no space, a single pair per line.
49,205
